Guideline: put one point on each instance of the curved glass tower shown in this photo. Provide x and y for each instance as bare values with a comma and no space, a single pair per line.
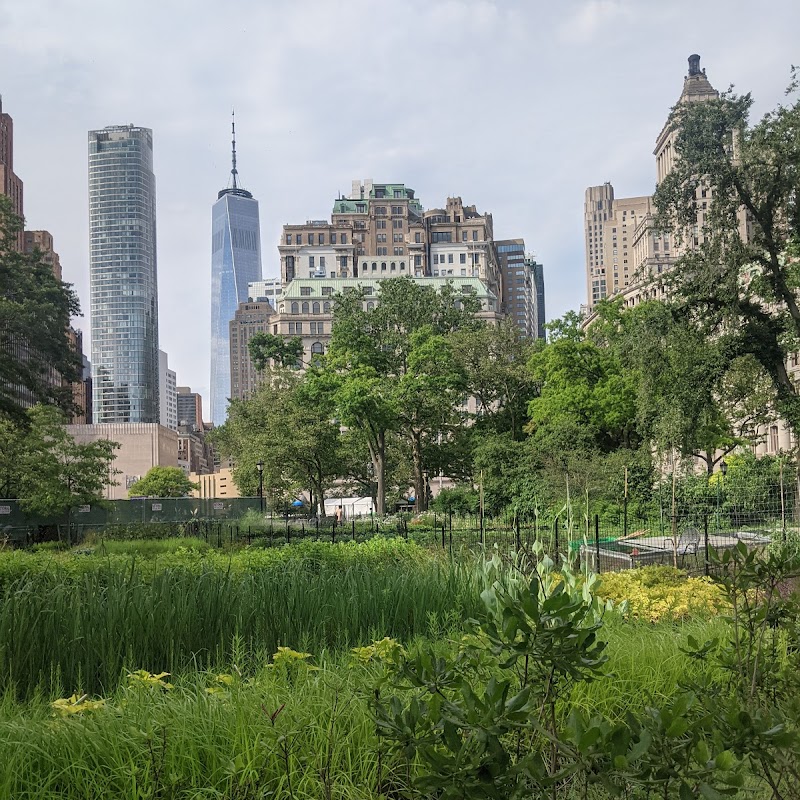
122,267
235,262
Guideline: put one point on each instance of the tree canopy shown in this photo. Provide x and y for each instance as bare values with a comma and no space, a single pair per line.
37,361
163,482
739,271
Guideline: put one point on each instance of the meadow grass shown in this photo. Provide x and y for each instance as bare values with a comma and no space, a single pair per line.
215,736
76,623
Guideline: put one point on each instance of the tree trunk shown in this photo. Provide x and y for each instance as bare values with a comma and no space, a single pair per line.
420,494
377,452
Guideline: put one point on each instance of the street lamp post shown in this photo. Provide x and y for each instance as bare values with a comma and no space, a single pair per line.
260,468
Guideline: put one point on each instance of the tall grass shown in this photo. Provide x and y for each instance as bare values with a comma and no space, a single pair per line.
187,743
79,630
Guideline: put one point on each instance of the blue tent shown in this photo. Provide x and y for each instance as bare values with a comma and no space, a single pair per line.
297,503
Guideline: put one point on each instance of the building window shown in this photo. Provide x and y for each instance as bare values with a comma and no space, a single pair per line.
383,251
321,238
311,238
393,267
773,439
343,262
327,290
315,308
380,211
317,348
322,263
474,236
402,266
397,223
304,307
398,193
449,258
295,308
380,224
326,307
463,236
397,210
418,237
383,266
398,251
342,238
370,305
462,258
305,291
441,236
288,238
311,262
417,261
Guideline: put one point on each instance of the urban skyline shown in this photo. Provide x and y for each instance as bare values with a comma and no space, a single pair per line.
570,125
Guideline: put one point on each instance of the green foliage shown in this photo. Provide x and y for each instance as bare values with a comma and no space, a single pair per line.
79,620
163,482
390,369
458,500
35,312
742,287
268,348
288,426
52,473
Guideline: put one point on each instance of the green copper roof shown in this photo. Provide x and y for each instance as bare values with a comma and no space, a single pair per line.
338,285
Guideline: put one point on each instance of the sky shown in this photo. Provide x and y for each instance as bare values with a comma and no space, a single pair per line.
514,105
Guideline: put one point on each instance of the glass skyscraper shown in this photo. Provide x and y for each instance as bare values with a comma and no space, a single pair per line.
235,262
122,265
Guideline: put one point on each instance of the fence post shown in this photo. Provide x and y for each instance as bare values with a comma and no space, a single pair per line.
516,534
556,548
333,533
705,542
597,540
451,541
443,532
288,532
354,529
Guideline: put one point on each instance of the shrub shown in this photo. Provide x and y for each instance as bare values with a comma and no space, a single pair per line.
662,593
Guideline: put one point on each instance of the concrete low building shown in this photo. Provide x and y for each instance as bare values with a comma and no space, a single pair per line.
218,484
142,445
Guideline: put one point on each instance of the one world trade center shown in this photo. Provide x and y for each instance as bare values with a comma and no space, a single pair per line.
235,262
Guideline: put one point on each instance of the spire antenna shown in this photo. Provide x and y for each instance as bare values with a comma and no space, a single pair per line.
234,173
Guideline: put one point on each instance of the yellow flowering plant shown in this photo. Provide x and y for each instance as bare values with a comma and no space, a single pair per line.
69,706
142,679
383,650
662,593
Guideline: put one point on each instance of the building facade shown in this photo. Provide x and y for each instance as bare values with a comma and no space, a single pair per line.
189,407
235,263
382,231
141,447
250,318
10,183
625,254
523,287
122,264
167,393
268,290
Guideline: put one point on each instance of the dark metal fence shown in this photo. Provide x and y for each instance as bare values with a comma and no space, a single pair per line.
682,533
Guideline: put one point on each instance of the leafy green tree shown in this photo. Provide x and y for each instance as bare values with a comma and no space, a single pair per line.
266,348
583,387
35,311
494,359
738,273
291,431
163,482
693,394
371,368
55,473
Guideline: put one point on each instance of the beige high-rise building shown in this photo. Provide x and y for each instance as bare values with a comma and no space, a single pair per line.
624,253
250,319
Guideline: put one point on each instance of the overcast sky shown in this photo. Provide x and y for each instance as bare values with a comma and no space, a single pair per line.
515,105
